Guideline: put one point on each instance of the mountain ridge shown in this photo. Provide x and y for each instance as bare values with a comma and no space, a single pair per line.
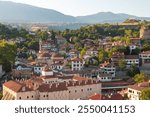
28,13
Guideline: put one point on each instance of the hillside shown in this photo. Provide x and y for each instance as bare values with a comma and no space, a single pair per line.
10,11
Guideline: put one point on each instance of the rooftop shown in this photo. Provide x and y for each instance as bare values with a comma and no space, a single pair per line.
16,86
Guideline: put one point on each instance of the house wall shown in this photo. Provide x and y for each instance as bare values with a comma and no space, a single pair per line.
57,95
133,94
77,65
77,92
48,73
104,78
38,70
7,90
50,80
129,62
29,95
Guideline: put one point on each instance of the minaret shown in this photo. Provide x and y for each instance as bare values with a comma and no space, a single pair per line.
40,46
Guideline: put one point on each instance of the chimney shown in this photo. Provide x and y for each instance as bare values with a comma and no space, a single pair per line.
80,82
66,84
57,85
91,81
50,85
85,82
73,83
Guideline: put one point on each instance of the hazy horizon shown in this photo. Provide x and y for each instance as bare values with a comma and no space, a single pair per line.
87,7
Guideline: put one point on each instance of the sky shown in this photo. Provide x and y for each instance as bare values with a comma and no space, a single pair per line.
87,7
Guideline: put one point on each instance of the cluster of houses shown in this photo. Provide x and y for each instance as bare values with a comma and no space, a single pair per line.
53,76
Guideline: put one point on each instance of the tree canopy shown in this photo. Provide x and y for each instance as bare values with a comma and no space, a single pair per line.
139,78
145,94
7,54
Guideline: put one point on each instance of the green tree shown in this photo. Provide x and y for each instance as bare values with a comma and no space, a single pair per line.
122,64
133,71
33,45
1,95
42,35
139,78
102,55
82,53
145,94
7,54
146,47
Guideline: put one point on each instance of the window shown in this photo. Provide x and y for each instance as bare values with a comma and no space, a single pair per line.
130,91
19,98
46,95
43,95
32,96
82,90
27,97
69,91
75,91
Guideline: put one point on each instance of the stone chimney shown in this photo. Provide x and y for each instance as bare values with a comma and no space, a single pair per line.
66,84
57,84
73,83
50,85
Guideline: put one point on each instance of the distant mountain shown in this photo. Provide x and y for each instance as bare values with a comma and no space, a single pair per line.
107,17
17,12
10,11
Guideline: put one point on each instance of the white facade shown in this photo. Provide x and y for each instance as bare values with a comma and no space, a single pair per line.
130,62
47,73
77,65
109,69
104,78
145,56
133,94
38,69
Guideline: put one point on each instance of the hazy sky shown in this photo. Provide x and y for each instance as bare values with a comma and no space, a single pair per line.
85,7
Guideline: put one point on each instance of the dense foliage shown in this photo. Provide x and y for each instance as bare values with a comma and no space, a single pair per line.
145,95
139,78
99,30
7,54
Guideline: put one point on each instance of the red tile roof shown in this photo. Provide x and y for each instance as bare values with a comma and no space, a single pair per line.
52,87
145,52
16,86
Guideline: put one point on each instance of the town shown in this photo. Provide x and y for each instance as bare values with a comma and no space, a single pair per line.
95,62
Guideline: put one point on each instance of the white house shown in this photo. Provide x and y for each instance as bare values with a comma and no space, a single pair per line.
145,56
134,91
132,59
104,77
108,69
38,68
77,64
